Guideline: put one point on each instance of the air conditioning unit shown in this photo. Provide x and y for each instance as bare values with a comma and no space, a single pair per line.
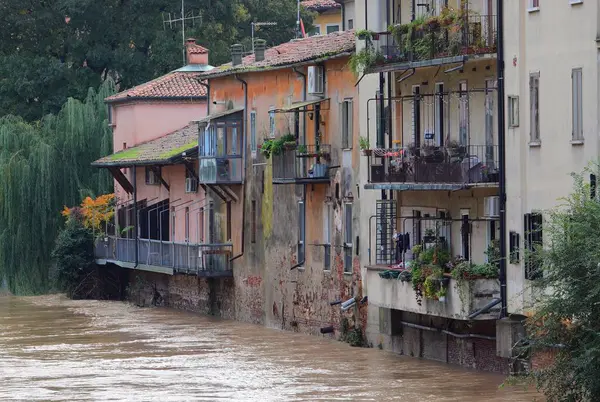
191,185
316,80
491,207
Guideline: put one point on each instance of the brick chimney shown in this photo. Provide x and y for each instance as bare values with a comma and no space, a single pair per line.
195,53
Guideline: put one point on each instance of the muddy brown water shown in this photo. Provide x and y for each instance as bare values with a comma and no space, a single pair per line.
54,349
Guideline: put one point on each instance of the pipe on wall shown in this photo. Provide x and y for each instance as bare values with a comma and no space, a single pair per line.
245,85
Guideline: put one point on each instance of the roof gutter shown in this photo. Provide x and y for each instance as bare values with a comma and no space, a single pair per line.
157,98
245,85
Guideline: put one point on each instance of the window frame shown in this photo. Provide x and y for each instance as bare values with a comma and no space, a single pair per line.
148,172
533,225
577,104
513,111
253,143
348,237
534,108
327,26
347,122
301,232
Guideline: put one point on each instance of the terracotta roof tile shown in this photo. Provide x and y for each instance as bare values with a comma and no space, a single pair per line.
293,52
196,49
320,5
158,151
176,84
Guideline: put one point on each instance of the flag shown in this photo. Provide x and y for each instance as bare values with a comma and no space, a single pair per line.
302,28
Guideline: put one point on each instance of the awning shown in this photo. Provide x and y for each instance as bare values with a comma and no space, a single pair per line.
219,115
165,150
302,107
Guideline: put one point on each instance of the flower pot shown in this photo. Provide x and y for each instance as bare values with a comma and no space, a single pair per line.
367,152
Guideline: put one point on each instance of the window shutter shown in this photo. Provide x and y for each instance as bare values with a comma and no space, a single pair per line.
342,125
350,119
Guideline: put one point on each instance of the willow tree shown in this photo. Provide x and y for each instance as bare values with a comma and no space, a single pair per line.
45,165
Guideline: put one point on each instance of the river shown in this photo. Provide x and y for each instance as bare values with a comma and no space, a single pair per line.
55,349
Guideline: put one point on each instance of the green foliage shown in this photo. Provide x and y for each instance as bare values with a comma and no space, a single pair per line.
275,146
73,256
43,167
352,336
364,59
469,271
566,306
363,143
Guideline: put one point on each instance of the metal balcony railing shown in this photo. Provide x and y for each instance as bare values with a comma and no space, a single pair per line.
432,164
189,258
303,164
435,38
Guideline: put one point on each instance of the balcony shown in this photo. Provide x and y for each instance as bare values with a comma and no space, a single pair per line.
303,164
449,38
203,260
462,298
433,167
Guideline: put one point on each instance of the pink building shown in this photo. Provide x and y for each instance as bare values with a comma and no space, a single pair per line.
155,165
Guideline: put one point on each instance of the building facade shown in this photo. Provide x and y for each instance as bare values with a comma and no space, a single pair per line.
328,16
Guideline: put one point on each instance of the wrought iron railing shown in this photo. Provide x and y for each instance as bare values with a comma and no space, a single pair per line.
192,258
302,163
436,37
434,164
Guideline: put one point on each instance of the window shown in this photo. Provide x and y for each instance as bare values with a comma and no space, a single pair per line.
416,115
351,24
173,218
514,244
534,5
332,28
272,122
301,232
327,236
534,107
513,111
463,114
191,183
253,223
253,146
317,30
187,224
577,84
348,238
110,115
533,240
347,123
152,177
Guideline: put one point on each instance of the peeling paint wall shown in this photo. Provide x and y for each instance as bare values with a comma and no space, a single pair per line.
267,290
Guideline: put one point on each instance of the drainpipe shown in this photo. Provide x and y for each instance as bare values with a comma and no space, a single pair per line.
135,217
502,156
343,15
366,16
245,85
303,76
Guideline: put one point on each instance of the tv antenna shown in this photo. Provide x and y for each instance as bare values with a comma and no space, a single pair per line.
260,24
190,17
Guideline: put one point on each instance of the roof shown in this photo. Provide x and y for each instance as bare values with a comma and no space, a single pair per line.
160,151
295,52
176,85
320,5
194,48
219,115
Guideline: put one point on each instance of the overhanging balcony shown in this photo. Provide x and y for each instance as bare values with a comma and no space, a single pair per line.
303,164
203,260
433,167
435,40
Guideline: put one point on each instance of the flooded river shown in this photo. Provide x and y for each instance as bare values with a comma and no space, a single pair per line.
53,349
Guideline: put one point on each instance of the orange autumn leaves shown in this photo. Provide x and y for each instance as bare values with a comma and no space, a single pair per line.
93,213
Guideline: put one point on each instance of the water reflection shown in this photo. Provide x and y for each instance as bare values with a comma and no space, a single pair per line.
55,349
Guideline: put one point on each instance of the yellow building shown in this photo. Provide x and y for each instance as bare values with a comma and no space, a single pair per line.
329,16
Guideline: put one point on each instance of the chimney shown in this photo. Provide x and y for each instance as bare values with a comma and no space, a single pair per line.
259,49
237,51
195,53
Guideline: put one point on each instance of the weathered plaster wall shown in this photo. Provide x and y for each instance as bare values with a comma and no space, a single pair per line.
267,291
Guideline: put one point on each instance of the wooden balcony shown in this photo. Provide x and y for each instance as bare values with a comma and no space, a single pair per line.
203,260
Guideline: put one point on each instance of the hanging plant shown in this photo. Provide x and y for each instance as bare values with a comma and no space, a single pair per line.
276,146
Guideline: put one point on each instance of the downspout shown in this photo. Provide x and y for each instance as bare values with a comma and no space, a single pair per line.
245,85
502,157
343,15
303,76
366,16
135,217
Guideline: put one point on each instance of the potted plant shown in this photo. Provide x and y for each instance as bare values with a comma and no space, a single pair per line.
456,151
301,149
441,294
364,145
